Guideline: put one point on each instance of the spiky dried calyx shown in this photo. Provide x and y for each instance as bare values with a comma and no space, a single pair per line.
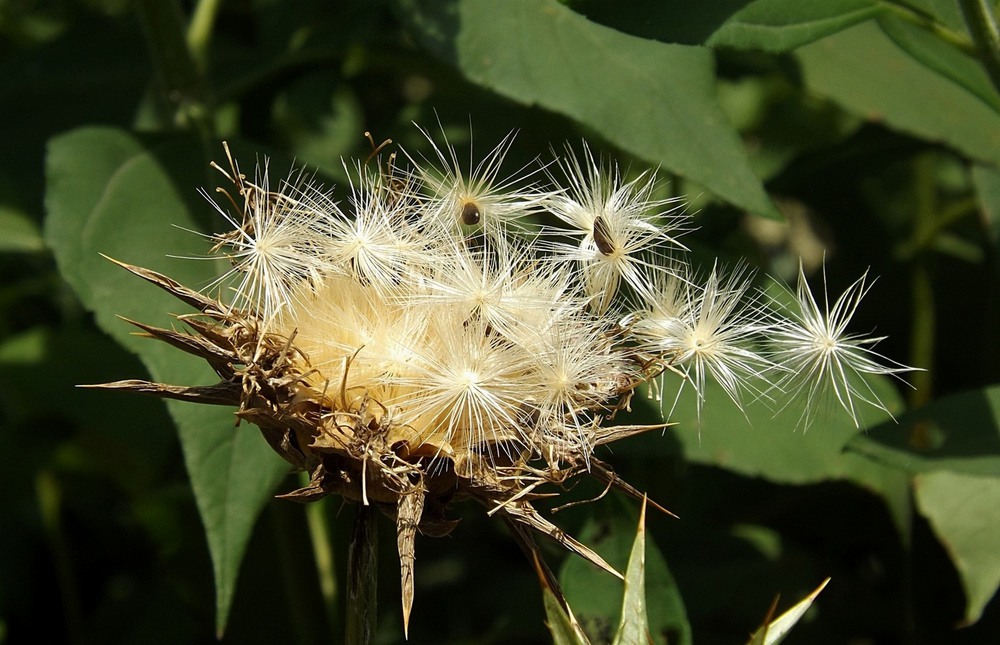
416,350
351,452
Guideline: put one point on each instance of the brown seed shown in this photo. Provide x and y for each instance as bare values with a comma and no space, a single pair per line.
471,214
602,237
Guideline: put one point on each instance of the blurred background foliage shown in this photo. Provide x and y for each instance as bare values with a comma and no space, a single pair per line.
863,131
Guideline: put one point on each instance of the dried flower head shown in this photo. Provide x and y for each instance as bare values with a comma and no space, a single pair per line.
407,358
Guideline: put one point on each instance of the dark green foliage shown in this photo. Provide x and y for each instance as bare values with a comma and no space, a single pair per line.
872,127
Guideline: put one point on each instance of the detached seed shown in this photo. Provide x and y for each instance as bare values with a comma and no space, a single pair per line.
471,214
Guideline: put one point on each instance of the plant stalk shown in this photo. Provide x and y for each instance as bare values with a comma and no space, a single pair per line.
362,582
49,494
921,287
183,90
199,32
322,545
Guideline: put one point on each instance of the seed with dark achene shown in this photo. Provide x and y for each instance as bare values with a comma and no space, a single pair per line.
470,213
602,237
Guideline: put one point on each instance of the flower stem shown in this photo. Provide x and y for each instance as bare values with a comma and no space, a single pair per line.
922,332
319,534
49,494
362,581
921,288
305,612
199,32
183,90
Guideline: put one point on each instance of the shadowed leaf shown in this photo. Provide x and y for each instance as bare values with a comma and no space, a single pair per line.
112,192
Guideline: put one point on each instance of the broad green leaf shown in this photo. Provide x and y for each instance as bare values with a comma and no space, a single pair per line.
783,25
964,511
112,192
770,25
954,447
868,74
759,443
634,625
775,631
943,58
596,597
959,433
945,12
655,100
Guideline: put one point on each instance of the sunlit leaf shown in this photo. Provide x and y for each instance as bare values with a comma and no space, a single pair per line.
770,25
562,627
943,58
775,631
962,510
596,597
783,25
112,192
759,443
634,625
652,99
899,91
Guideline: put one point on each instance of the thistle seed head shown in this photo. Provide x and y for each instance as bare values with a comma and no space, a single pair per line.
419,347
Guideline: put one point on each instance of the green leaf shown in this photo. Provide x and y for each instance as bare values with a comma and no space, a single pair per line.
783,25
960,433
953,446
868,74
775,631
564,630
655,100
113,192
770,25
634,625
945,12
759,443
594,594
962,510
943,58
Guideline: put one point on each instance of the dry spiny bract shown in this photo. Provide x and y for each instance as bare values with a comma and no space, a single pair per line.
417,344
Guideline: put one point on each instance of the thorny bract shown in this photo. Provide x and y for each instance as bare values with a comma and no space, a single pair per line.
434,338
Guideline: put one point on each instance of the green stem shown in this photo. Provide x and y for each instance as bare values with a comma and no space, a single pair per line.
923,321
922,332
183,88
199,32
982,24
296,569
362,567
49,502
923,238
322,545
